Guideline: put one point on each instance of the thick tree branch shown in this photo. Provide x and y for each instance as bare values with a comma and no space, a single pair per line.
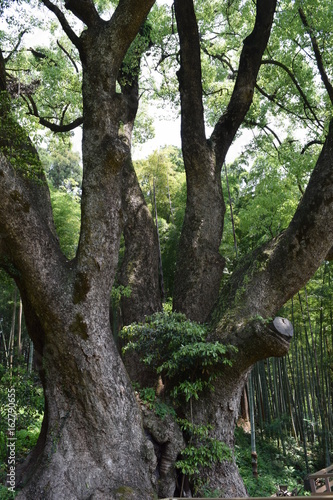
28,234
311,143
317,53
200,265
84,10
304,245
249,64
272,274
139,267
125,23
64,23
54,127
105,146
189,74
61,128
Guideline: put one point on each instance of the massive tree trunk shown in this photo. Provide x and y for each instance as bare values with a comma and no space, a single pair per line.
92,443
220,408
270,276
92,440
258,288
91,410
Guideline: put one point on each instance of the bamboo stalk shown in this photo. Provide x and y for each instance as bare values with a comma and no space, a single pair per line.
12,333
160,267
254,455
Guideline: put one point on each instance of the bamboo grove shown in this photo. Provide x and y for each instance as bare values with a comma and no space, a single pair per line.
293,394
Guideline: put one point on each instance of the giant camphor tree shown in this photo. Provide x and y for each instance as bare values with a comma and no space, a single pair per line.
93,443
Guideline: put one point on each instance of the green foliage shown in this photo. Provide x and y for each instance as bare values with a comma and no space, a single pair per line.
143,127
118,292
265,196
7,294
44,80
161,78
269,202
206,492
104,6
29,406
294,393
149,398
202,450
67,217
5,494
163,168
274,468
15,144
61,163
178,350
57,69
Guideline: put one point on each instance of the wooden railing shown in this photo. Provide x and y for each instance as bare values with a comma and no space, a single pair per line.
321,482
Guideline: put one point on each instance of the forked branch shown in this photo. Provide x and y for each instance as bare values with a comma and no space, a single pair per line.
64,23
249,64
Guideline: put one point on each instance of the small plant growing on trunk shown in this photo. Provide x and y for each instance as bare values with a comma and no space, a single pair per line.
188,363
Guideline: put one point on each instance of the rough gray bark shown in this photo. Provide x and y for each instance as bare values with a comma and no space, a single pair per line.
168,441
263,282
139,269
271,275
200,265
92,443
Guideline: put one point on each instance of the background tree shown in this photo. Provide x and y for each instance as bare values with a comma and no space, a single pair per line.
163,171
61,164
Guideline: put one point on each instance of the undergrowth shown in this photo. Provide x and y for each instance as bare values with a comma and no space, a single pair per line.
25,421
274,467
